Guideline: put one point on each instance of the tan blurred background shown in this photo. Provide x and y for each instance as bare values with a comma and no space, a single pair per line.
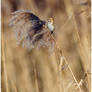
37,70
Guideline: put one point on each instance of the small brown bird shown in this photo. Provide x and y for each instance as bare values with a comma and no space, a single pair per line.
31,31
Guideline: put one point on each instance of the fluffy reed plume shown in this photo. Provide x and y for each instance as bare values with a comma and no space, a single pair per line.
31,31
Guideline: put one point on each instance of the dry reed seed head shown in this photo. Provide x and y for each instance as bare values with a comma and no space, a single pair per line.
30,31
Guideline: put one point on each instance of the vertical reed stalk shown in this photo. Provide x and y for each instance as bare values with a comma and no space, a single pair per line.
35,75
4,65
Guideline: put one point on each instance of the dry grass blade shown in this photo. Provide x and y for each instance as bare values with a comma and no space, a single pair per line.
61,59
78,85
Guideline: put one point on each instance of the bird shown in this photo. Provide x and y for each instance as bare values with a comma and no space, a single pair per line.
31,31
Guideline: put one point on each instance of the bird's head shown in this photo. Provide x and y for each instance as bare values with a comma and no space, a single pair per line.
50,24
51,20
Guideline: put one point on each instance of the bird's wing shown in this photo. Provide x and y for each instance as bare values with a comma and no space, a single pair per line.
29,29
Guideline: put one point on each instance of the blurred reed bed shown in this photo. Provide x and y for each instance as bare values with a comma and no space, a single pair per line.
65,70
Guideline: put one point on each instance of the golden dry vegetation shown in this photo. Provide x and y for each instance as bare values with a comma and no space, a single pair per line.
41,71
